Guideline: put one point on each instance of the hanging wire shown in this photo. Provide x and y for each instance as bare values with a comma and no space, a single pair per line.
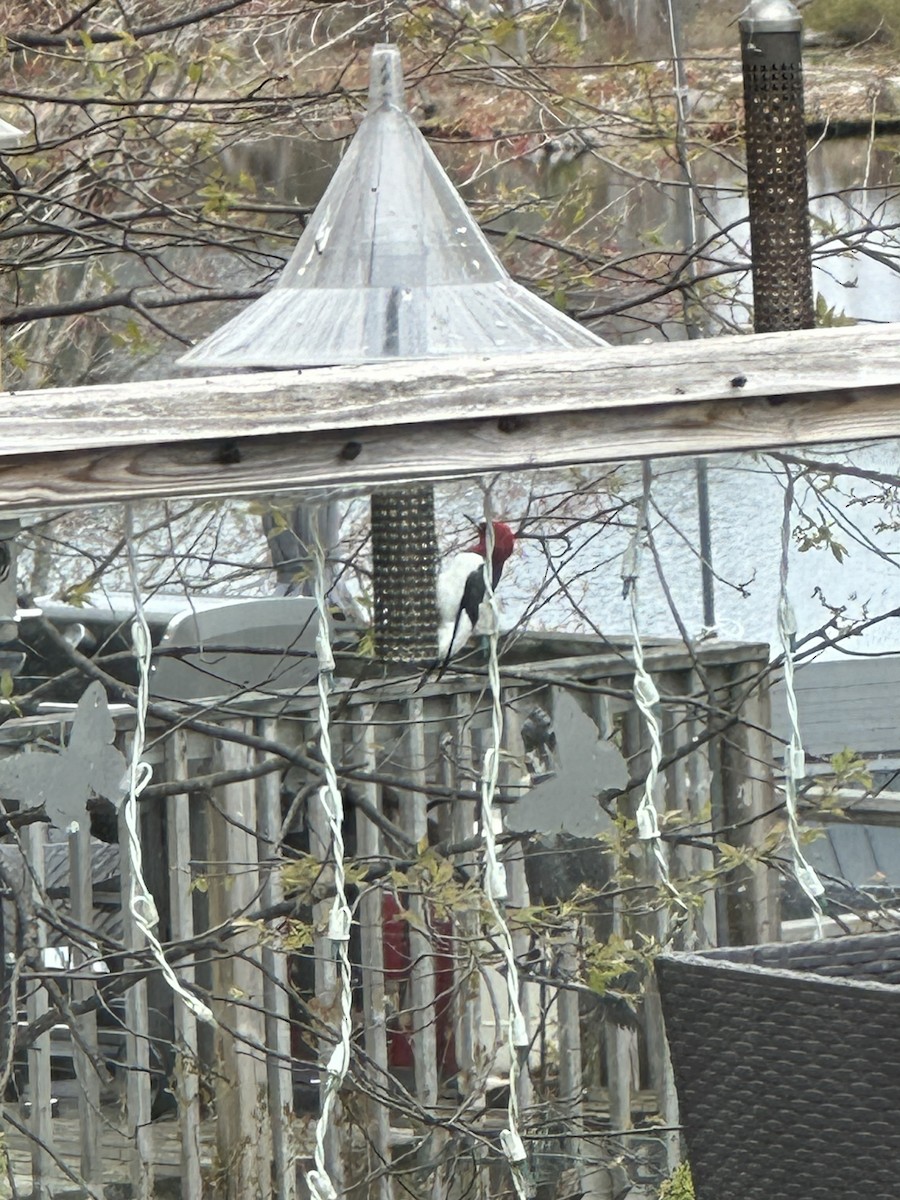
320,1184
646,696
495,887
794,758
140,902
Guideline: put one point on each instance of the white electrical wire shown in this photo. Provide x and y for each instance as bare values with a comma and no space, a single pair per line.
646,697
794,758
320,1184
496,890
140,902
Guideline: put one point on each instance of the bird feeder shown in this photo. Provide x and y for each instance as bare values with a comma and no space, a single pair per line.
771,36
391,265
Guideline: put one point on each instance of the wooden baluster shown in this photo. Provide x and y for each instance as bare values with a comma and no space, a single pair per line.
137,1044
326,979
40,1121
181,905
85,1046
414,822
371,933
275,982
243,1129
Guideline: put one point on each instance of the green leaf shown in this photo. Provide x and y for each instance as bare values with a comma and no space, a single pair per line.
504,28
79,593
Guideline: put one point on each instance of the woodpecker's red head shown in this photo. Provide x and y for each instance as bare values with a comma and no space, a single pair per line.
504,542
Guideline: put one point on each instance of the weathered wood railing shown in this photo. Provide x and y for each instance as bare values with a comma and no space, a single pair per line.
403,421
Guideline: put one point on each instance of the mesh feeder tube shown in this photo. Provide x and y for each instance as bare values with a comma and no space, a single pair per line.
775,131
404,563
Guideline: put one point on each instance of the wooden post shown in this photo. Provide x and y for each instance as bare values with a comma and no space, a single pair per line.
243,1130
371,934
466,974
661,1076
181,904
621,1044
748,794
693,780
40,1121
275,982
467,985
327,981
569,1018
137,1045
581,1151
81,891
414,822
715,754
656,924
514,859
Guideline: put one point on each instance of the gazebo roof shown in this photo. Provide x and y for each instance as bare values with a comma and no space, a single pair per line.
391,265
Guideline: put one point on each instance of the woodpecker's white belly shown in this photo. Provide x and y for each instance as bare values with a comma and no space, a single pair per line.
450,587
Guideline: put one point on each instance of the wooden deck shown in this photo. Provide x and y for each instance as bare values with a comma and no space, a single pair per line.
62,1180
61,1175
64,1173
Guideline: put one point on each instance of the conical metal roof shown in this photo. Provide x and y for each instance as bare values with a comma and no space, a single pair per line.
391,265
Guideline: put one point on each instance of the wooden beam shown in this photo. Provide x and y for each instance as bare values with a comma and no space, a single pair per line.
353,426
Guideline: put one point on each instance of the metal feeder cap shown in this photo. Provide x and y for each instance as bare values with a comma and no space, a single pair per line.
386,78
771,16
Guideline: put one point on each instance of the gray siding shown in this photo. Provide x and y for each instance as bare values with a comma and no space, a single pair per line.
850,702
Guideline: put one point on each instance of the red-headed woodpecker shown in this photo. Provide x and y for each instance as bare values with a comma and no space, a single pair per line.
460,589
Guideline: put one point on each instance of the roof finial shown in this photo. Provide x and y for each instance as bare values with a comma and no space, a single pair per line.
386,78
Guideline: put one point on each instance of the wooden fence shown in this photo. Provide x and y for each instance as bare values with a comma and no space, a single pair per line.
430,1061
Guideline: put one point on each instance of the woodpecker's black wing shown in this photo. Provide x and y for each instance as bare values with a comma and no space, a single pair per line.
473,594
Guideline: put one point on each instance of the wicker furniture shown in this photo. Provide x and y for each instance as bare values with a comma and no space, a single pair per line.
787,1066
